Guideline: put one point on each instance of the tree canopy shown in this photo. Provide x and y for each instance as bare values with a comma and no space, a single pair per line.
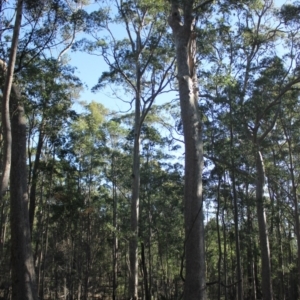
190,190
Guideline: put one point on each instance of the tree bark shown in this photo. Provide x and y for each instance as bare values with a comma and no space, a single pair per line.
195,283
115,225
250,252
35,177
263,230
240,291
140,36
8,73
23,273
296,204
224,247
14,165
219,240
133,244
145,273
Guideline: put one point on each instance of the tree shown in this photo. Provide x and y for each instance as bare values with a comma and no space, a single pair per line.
182,25
9,73
142,65
251,81
23,272
50,87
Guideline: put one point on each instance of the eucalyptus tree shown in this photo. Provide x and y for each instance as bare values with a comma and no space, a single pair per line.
50,30
49,25
251,79
45,28
47,99
182,21
161,205
50,88
33,39
115,138
23,273
157,188
69,182
140,66
283,178
9,75
87,144
289,15
261,100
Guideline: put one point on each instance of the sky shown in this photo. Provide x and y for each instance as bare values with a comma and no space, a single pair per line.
89,68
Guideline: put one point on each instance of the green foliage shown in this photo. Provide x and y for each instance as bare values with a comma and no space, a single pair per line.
249,98
290,13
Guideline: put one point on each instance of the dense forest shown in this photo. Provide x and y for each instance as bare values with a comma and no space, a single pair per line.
189,193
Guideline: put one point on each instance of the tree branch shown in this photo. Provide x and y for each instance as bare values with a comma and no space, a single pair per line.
201,5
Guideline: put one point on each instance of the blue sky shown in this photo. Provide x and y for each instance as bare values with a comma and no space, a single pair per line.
90,68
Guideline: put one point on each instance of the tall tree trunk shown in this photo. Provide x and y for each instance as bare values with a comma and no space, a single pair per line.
115,226
295,200
32,196
145,273
219,240
39,252
263,230
133,244
250,252
14,164
225,249
3,226
195,283
239,274
47,229
147,267
280,261
8,73
23,273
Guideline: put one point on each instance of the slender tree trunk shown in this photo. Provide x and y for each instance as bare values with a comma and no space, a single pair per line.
139,40
219,241
250,252
47,220
87,242
39,247
263,230
150,260
296,209
32,196
14,167
23,273
185,43
115,225
8,73
145,272
133,243
276,218
3,224
239,274
149,230
224,245
280,262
